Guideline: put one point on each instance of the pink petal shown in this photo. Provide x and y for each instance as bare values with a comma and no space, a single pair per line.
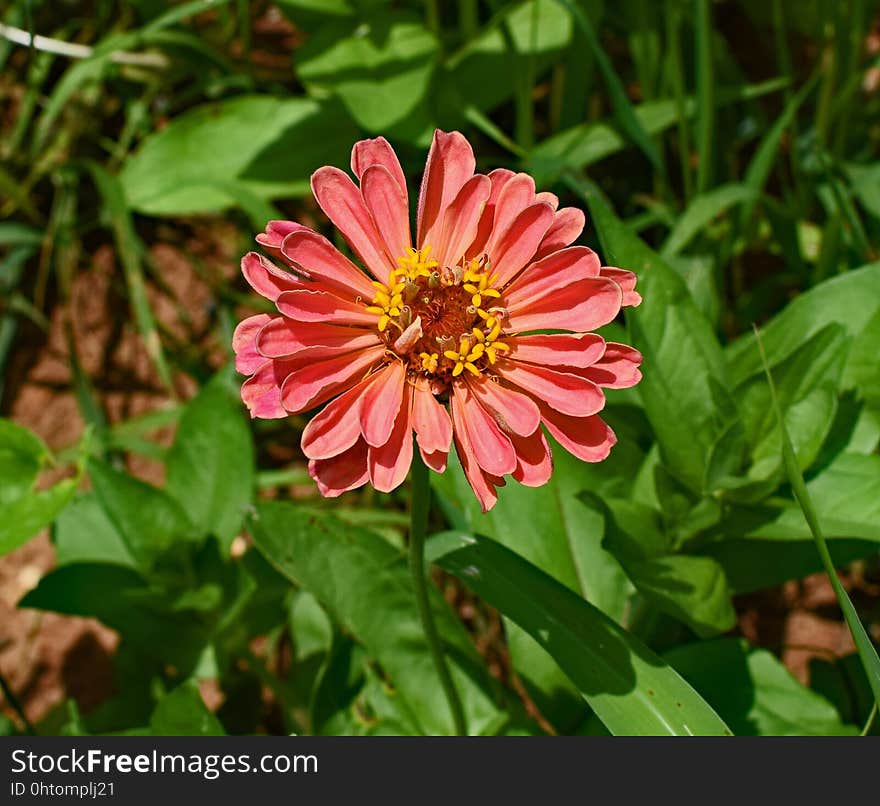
377,151
499,178
343,204
517,194
244,343
381,403
461,219
581,306
627,282
518,244
276,232
311,383
550,274
334,430
431,422
491,448
322,306
588,438
320,260
560,350
545,197
618,368
565,392
261,392
437,461
534,464
283,337
341,473
387,204
266,278
481,482
514,413
450,164
568,224
389,463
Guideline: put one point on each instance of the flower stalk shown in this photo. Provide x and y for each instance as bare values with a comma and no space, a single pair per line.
421,500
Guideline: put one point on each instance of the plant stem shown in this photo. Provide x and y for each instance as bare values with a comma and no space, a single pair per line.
421,500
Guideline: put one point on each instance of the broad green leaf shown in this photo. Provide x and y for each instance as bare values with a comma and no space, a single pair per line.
25,516
753,692
630,689
683,388
849,300
84,532
182,712
13,233
587,143
210,466
22,454
149,521
310,626
555,531
364,583
700,212
380,66
268,145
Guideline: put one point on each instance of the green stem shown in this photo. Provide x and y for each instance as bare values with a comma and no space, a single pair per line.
421,500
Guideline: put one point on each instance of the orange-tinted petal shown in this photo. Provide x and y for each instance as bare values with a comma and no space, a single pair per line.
568,224
322,306
377,151
490,446
266,278
588,438
534,460
450,164
558,350
563,391
281,337
387,204
461,219
517,245
551,274
341,473
380,404
582,306
514,412
322,261
333,431
388,464
244,343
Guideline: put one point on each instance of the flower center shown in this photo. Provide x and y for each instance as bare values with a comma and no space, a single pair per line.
441,320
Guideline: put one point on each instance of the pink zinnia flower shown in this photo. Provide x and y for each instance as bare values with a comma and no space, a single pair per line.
438,337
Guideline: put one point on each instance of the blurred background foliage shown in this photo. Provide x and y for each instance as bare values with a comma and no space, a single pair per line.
727,151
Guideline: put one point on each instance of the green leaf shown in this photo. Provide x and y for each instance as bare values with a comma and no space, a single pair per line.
268,145
552,529
182,712
364,583
849,300
210,466
22,454
630,689
683,388
701,211
148,521
753,692
25,516
84,533
380,66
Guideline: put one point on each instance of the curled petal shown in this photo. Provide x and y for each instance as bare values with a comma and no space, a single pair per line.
282,337
545,197
380,404
618,368
627,282
276,232
590,439
563,391
387,204
483,484
312,382
515,413
450,164
266,278
244,343
322,306
461,219
581,306
568,224
318,259
431,423
388,464
551,274
517,194
343,204
498,178
261,392
333,431
518,244
579,350
490,446
341,473
534,460
377,151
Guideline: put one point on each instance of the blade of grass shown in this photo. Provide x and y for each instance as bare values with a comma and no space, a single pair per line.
620,103
867,651
676,77
705,95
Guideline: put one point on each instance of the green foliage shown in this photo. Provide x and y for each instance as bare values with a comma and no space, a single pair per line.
716,161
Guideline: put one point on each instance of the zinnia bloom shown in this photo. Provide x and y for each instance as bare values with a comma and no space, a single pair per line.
444,336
